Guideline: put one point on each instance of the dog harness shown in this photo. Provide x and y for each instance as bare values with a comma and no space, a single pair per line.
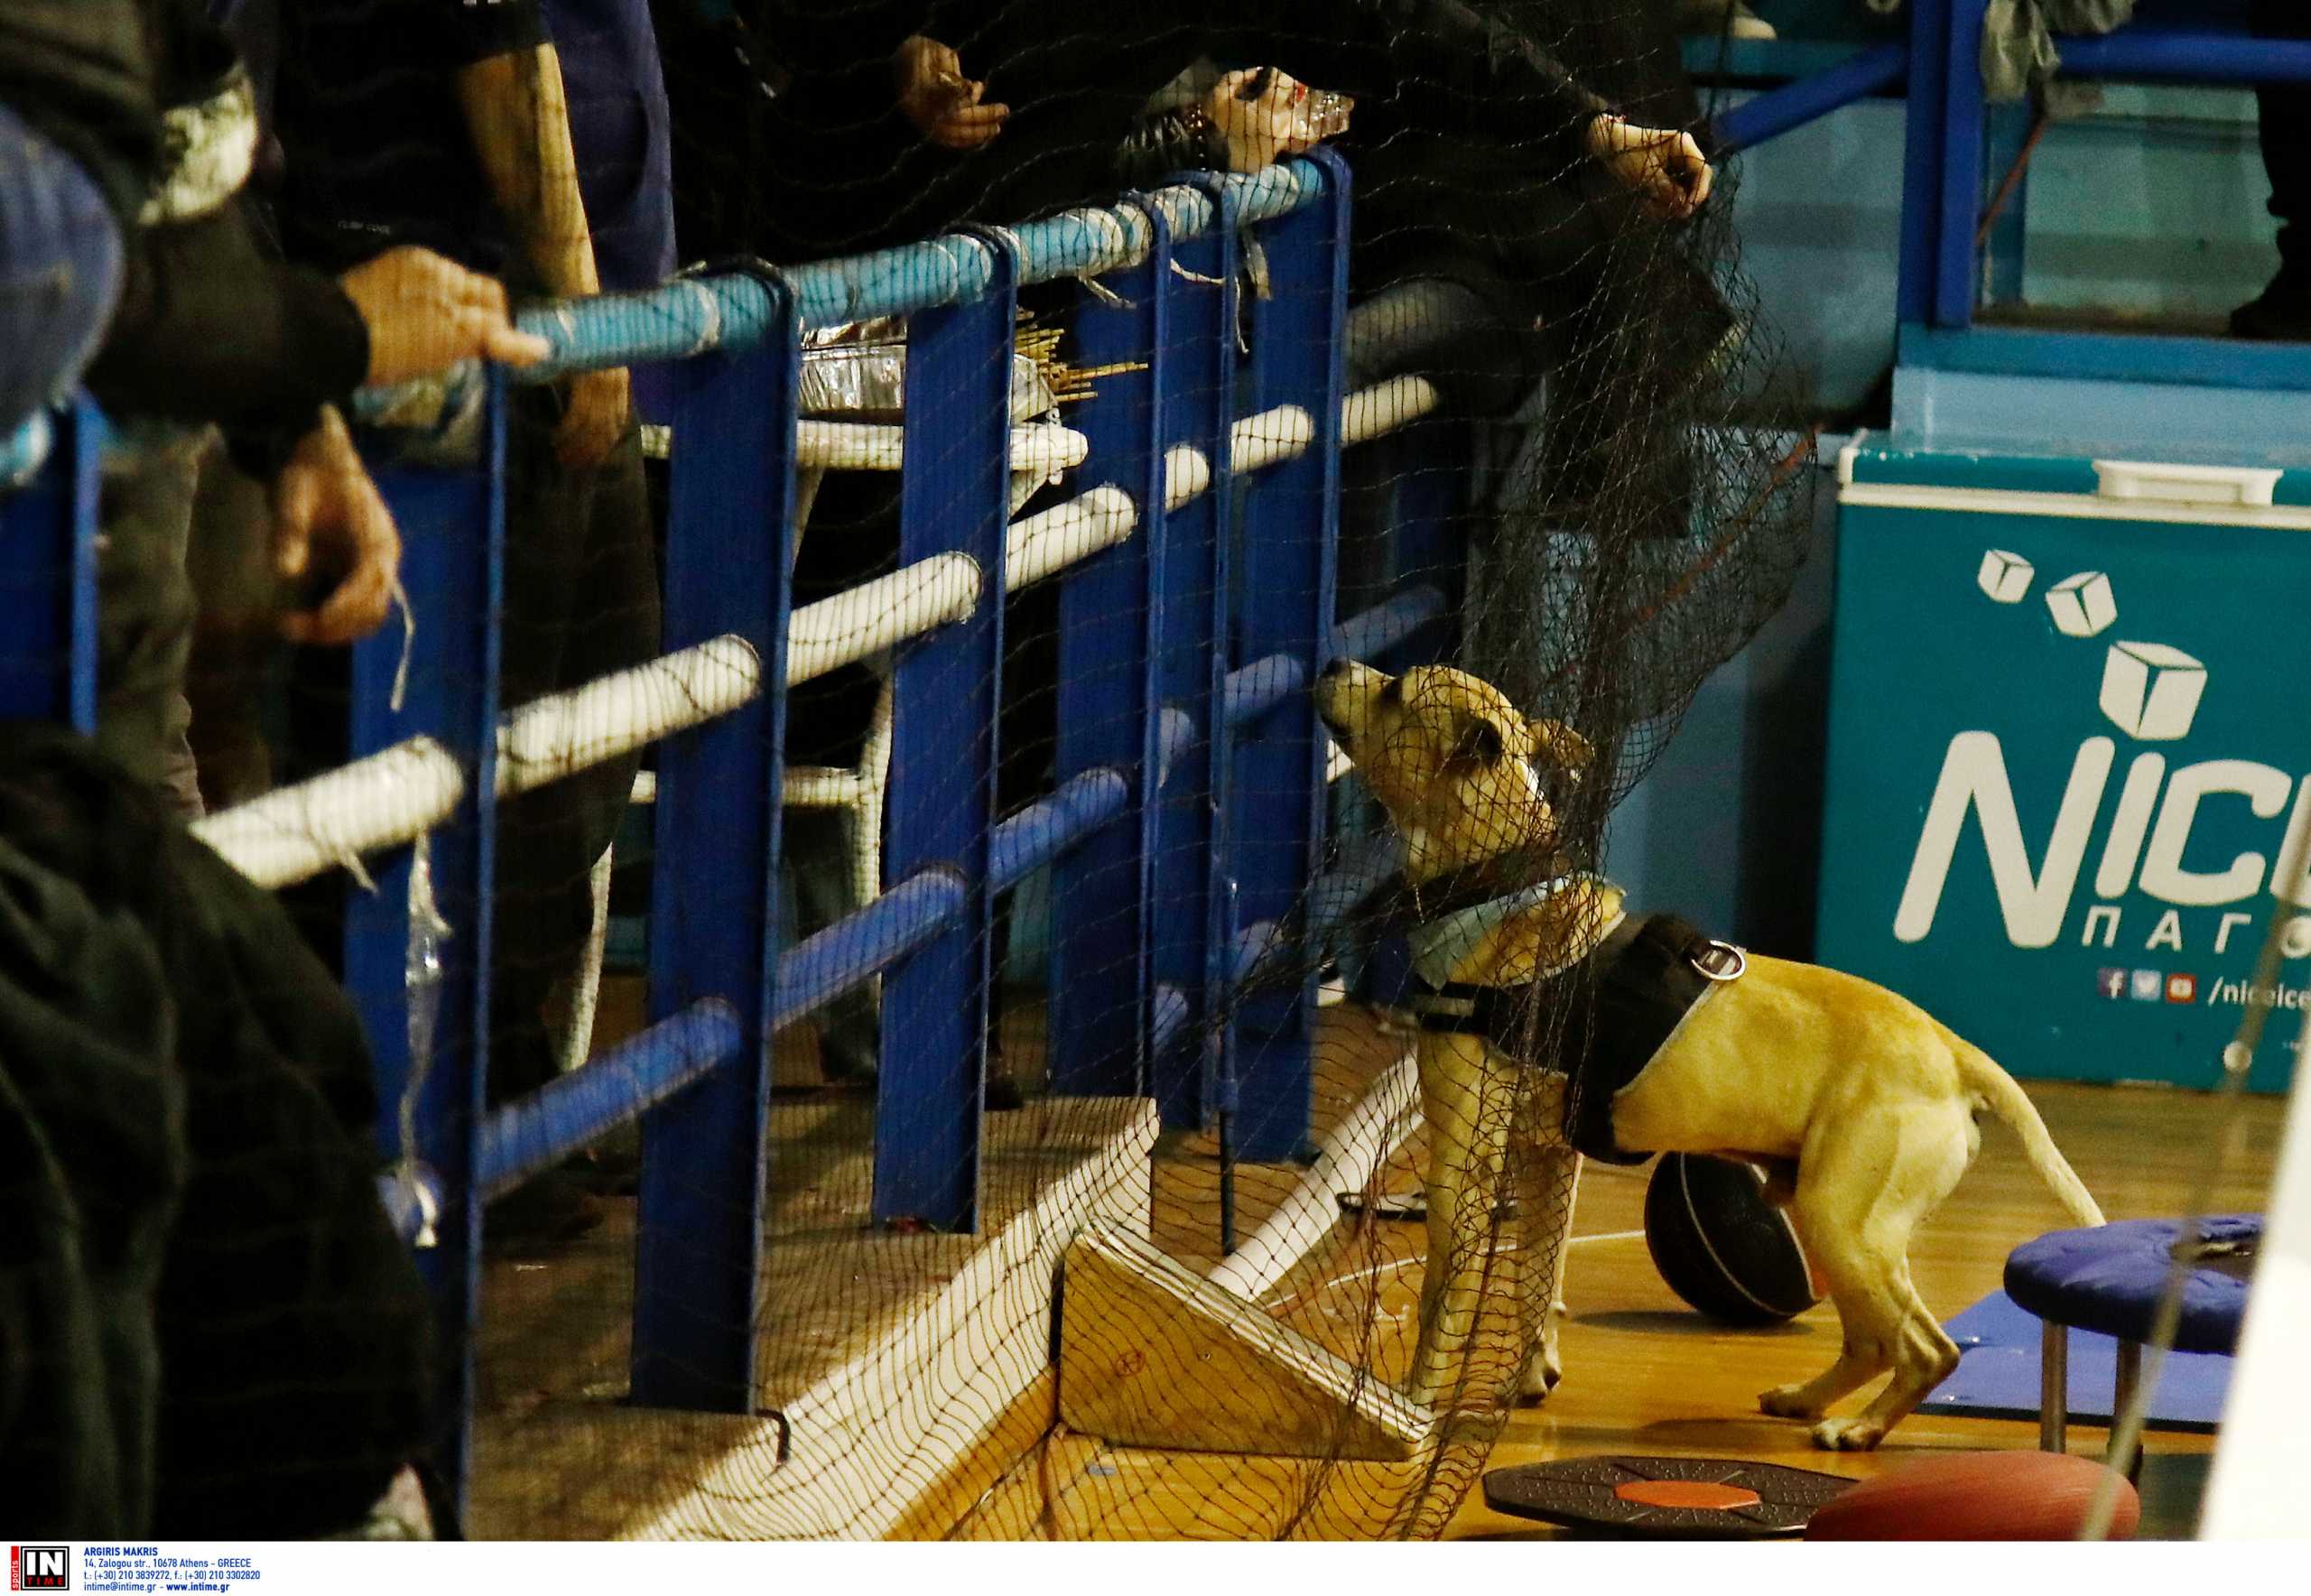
1615,1007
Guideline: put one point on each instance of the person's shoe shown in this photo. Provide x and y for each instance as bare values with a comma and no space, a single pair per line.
2281,313
1729,19
540,1216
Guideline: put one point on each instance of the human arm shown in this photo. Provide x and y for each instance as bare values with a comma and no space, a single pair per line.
212,325
947,107
329,521
1456,65
1246,120
206,327
519,118
1456,69
1665,169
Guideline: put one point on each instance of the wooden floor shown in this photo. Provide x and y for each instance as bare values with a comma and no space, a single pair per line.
559,1456
864,1336
1642,1372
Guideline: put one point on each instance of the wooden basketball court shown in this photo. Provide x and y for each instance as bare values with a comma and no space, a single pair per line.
987,1456
1643,1372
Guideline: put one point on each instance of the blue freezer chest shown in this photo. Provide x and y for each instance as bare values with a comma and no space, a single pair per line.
2068,738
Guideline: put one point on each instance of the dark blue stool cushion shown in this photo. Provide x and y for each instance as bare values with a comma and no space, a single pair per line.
2109,1278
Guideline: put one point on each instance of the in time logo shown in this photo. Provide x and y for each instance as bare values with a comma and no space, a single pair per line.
2111,983
39,1568
2182,989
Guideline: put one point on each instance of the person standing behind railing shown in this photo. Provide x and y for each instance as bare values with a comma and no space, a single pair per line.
2283,309
242,1396
445,124
209,328
870,123
840,127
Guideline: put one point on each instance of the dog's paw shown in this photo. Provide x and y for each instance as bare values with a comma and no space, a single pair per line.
1541,1377
1847,1435
1787,1401
1546,1369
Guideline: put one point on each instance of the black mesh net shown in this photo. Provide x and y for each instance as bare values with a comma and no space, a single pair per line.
1111,1291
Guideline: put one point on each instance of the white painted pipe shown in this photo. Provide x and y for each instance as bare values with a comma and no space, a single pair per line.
1271,438
567,732
1046,544
1383,407
300,832
392,796
1039,451
1274,436
1382,1120
1187,475
865,620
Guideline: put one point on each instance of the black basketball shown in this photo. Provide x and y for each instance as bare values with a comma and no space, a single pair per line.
1731,1255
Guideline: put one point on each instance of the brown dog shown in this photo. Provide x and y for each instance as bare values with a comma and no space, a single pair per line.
1870,1100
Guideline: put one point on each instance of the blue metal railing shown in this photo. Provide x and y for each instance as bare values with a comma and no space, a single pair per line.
1942,257
1190,770
1945,149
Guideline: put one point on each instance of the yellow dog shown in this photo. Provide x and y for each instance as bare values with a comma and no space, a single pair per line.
1865,1102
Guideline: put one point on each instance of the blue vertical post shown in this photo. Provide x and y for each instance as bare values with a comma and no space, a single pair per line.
85,456
453,541
714,884
1957,270
1111,617
954,495
48,580
1199,405
1289,547
1929,71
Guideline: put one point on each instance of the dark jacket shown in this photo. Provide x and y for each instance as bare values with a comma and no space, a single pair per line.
207,1328
210,327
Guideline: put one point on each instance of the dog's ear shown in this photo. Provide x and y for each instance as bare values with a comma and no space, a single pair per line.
1567,748
1482,746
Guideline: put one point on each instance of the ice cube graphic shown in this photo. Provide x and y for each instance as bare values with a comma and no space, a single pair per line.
2005,577
2082,605
2150,691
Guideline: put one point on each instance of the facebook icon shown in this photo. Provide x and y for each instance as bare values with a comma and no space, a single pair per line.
2111,983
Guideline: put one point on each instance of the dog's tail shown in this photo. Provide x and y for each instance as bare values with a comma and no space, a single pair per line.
2010,1103
2014,1105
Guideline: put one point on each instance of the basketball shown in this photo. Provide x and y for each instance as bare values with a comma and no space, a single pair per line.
1732,1256
1993,1496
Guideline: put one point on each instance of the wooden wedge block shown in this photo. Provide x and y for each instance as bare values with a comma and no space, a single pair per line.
1151,1354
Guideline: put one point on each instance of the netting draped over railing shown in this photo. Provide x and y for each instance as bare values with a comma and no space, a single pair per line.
834,1285
1149,705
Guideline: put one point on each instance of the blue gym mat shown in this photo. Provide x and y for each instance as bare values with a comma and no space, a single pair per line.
1998,1373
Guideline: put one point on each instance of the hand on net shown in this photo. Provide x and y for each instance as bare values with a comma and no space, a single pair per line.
1267,115
425,313
942,103
1664,169
328,521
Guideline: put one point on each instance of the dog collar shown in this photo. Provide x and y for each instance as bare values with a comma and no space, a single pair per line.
1399,906
1438,946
